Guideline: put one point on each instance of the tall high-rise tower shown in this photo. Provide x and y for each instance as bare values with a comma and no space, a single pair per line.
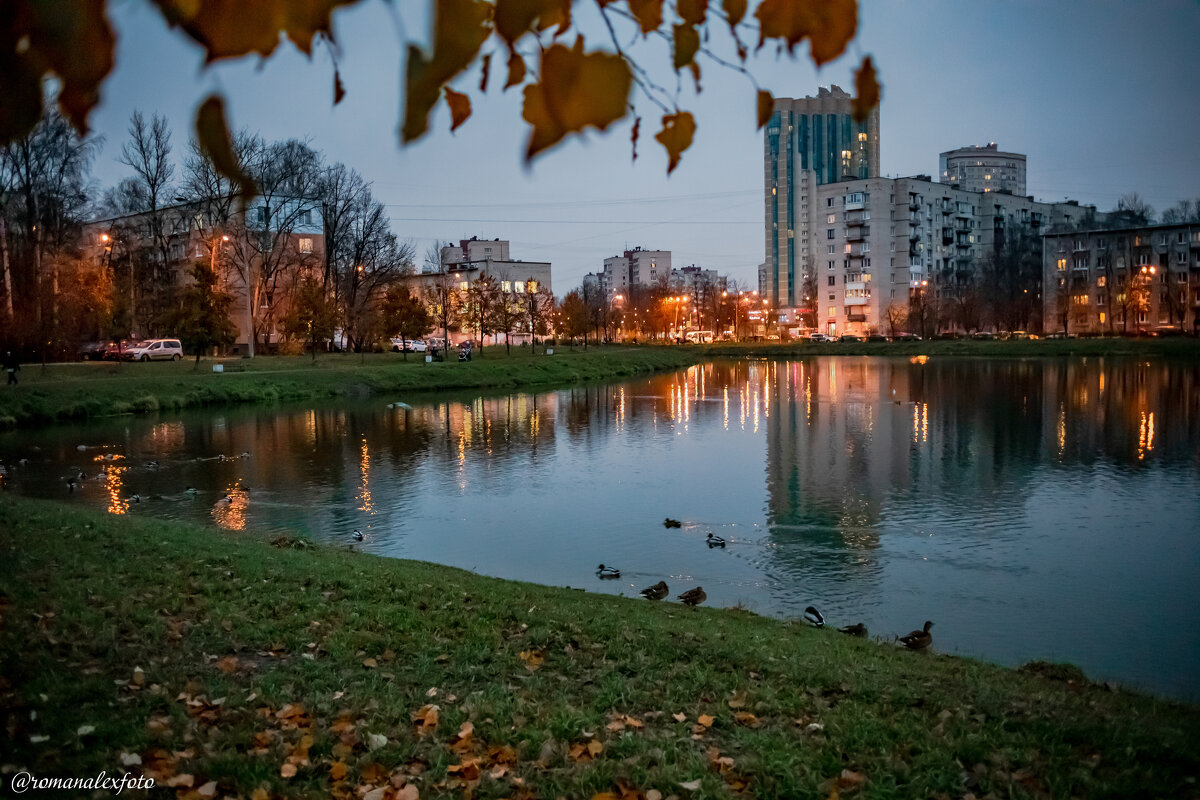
809,142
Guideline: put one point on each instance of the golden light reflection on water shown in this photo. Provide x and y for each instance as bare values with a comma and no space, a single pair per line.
1145,435
230,514
114,482
1062,430
366,502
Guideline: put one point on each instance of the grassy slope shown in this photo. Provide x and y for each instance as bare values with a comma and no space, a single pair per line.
81,391
210,616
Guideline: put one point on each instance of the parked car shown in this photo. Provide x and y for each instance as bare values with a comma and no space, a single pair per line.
849,337
905,336
407,345
877,337
93,351
115,350
985,335
820,337
155,350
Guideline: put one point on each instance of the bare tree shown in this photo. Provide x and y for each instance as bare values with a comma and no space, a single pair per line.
1182,213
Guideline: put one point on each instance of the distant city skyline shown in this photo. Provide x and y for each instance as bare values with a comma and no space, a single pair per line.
1094,94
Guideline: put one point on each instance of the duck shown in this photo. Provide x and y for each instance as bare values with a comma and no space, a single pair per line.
358,535
135,498
607,572
857,629
672,523
191,491
812,615
70,484
656,592
225,501
918,640
715,541
693,597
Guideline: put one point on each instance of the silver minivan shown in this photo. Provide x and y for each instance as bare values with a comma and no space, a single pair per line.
155,350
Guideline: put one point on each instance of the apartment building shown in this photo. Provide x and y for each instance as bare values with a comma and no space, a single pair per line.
1125,280
984,169
636,267
473,258
881,242
808,143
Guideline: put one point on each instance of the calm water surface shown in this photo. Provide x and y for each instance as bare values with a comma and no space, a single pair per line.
1031,509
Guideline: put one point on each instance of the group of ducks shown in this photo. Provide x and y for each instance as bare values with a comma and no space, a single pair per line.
692,597
914,640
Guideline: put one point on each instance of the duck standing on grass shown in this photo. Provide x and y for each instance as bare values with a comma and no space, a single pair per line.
693,597
812,615
857,629
714,541
656,592
604,572
918,640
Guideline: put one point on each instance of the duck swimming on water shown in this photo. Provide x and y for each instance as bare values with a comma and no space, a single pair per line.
607,572
358,535
672,523
715,541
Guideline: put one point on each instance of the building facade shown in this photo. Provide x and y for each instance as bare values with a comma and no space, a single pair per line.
633,268
983,169
473,258
808,143
1125,280
883,242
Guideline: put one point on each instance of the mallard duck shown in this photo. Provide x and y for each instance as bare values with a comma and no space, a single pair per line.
918,640
358,535
672,523
656,592
812,615
857,629
607,572
135,498
693,597
715,541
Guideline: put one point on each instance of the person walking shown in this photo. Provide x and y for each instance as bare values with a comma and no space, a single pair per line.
12,366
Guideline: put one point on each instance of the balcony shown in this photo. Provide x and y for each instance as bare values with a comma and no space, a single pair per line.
856,301
857,234
856,317
856,201
858,217
914,203
858,250
914,234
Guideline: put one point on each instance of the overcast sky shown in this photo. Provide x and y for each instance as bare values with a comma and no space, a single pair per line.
1103,97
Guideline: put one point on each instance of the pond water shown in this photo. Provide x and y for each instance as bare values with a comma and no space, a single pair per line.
1033,509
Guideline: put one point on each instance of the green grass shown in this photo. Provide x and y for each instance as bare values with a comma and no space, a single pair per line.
63,392
229,630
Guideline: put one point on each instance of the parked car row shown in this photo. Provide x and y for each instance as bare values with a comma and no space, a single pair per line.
132,350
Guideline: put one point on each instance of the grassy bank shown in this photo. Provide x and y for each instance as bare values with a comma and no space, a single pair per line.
227,664
62,392
90,390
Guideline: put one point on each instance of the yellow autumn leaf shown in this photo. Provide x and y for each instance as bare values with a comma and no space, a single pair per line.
232,28
687,43
288,770
766,107
705,720
829,25
692,11
676,136
460,108
866,91
337,770
460,28
40,38
576,90
212,133
648,13
515,18
370,663
533,659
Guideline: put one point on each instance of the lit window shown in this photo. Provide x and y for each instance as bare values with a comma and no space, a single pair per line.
862,137
533,286
832,311
506,286
1062,263
305,245
463,286
519,287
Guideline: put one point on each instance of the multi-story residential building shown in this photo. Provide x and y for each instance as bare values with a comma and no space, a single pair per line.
983,169
882,242
268,246
1124,280
636,267
809,143
693,279
473,258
